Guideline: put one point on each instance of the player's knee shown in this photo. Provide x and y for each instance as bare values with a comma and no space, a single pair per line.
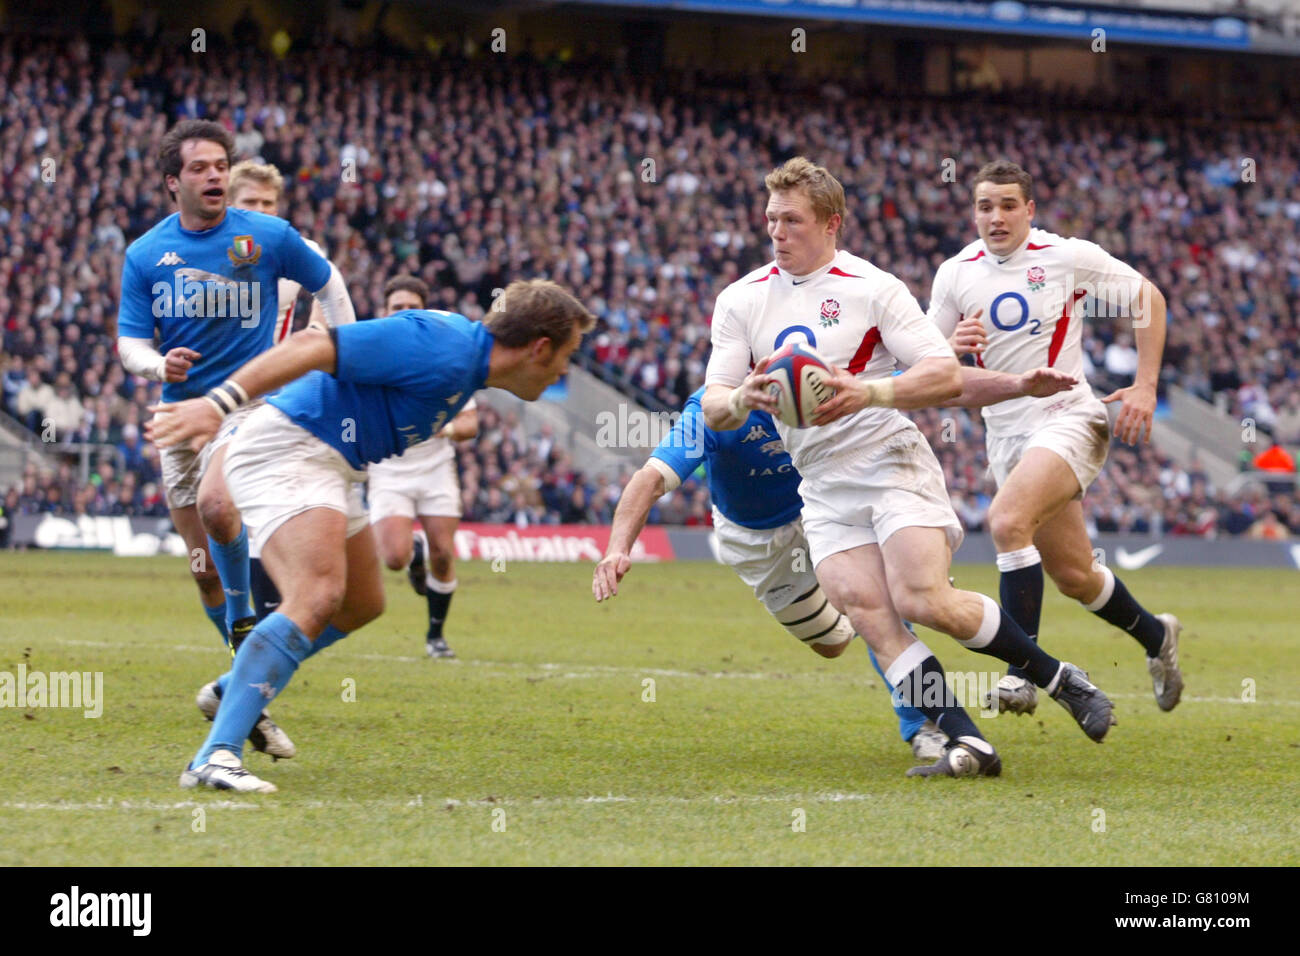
395,560
218,514
1009,529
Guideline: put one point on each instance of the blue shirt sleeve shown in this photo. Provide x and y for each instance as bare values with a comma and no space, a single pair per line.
135,311
299,262
683,448
410,351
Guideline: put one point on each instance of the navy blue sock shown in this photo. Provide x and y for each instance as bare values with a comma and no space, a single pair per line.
1001,637
439,601
217,615
263,666
919,682
1021,592
266,596
232,564
1116,606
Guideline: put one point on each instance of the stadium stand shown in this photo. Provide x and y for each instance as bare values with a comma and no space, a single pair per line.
468,173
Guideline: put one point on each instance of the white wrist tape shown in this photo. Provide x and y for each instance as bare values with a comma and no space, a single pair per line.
735,404
880,392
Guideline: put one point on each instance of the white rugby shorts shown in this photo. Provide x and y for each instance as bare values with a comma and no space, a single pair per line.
435,492
276,470
774,561
1079,434
863,494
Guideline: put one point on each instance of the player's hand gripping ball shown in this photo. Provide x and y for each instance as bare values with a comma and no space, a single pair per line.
800,384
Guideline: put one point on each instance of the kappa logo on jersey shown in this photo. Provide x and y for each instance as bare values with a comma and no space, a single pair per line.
1037,277
170,259
830,313
244,251
756,432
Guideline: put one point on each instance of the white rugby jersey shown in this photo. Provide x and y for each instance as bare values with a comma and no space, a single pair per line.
856,316
414,466
1033,302
288,292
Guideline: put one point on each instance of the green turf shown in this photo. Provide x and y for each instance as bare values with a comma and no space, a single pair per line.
541,727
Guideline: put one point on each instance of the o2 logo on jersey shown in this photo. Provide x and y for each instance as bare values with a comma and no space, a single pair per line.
998,311
786,333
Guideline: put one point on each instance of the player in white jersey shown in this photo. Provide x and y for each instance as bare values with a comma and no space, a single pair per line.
879,524
421,483
1016,299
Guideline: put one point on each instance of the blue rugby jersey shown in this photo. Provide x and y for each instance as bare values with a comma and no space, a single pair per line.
751,477
398,381
214,291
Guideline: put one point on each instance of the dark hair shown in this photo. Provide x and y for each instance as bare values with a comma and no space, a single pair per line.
169,153
537,308
407,283
1002,172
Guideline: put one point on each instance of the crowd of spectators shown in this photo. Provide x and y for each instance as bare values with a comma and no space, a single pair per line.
644,196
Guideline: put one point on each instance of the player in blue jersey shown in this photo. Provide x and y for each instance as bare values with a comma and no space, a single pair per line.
362,392
257,188
204,282
756,505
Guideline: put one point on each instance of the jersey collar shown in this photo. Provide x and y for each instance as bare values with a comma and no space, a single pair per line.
1003,260
816,274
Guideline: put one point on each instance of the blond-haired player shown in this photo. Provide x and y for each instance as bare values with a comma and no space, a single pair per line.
880,528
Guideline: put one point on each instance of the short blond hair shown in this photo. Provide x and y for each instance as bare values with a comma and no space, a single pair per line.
264,174
822,189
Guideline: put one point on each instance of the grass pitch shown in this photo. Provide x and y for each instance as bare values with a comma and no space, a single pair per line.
541,744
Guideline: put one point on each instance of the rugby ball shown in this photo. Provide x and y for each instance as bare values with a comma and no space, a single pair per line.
800,384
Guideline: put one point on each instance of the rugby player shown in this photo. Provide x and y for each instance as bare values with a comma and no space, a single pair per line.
1014,299
360,393
880,528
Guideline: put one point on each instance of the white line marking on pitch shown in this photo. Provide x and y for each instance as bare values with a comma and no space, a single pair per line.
562,671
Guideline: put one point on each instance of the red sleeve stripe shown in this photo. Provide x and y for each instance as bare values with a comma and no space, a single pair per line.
1035,248
863,355
978,255
837,271
775,272
286,324
1058,336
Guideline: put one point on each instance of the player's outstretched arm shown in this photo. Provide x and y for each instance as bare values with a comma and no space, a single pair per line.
726,409
1138,401
335,304
930,382
197,420
645,488
982,386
